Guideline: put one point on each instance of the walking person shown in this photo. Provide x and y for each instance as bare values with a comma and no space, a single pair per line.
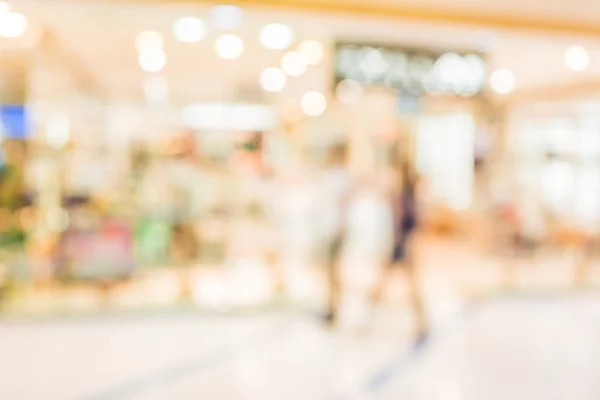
403,203
335,197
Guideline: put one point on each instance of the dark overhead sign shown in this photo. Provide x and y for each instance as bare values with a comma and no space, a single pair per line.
416,71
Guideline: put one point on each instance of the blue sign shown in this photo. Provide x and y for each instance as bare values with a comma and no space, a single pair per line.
14,122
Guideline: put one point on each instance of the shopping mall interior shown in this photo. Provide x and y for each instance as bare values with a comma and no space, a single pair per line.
301,199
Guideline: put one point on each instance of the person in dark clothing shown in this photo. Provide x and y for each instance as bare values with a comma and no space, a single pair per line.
405,216
404,208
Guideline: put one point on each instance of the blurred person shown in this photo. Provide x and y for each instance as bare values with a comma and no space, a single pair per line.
13,196
188,185
510,227
504,215
12,178
403,202
139,159
154,201
335,198
532,227
588,252
295,204
257,195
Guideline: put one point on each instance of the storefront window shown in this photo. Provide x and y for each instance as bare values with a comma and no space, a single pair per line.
565,148
558,184
445,151
588,195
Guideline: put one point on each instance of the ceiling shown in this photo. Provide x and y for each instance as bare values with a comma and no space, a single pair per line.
101,35
580,16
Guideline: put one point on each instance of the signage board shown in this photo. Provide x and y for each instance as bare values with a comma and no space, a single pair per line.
415,71
104,254
13,121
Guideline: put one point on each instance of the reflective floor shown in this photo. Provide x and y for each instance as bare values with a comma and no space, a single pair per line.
511,347
538,341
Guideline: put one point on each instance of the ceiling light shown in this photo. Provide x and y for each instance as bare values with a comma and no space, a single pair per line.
189,29
577,58
152,60
348,91
4,7
156,89
293,63
276,36
313,103
149,40
503,81
12,24
226,17
312,51
272,79
374,63
229,47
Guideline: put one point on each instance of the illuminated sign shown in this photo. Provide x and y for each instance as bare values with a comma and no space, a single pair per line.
13,122
413,70
230,117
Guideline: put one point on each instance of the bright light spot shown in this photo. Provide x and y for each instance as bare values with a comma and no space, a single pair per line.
189,30
272,79
448,70
313,103
148,41
226,17
474,75
276,36
4,7
58,131
503,81
156,89
312,51
374,63
349,91
229,47
12,24
577,58
152,60
293,63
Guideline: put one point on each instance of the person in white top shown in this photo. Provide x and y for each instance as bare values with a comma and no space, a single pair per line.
334,199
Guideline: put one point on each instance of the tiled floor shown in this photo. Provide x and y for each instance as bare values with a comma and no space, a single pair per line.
520,348
510,347
517,348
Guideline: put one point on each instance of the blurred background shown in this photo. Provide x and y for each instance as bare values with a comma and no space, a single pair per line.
299,199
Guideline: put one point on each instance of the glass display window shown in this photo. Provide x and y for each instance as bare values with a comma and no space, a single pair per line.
559,155
444,157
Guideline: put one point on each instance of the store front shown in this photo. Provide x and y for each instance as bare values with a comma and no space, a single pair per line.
554,148
186,128
437,110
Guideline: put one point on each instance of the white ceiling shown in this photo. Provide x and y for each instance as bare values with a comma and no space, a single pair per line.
101,35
